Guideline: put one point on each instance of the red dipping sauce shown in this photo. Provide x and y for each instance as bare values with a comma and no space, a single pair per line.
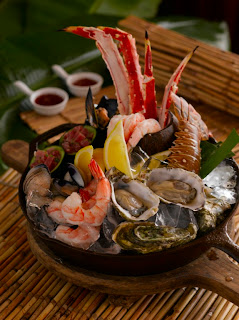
85,82
48,99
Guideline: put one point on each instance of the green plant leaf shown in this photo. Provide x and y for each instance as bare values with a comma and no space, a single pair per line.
140,8
213,154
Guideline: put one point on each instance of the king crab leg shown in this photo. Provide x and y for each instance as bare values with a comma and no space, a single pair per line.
113,60
150,102
135,79
172,86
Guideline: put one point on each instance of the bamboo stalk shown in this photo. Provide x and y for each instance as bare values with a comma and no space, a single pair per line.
108,312
133,308
30,299
53,302
182,303
225,310
84,306
113,314
59,304
154,302
142,307
43,302
196,312
77,302
231,313
40,297
101,309
88,313
170,303
66,308
212,309
190,306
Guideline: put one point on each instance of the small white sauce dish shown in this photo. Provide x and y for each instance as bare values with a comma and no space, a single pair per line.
34,96
79,90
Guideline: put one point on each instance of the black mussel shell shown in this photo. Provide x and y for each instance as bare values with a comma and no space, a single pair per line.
153,143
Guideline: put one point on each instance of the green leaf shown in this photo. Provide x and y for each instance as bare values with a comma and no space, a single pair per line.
212,154
211,32
123,8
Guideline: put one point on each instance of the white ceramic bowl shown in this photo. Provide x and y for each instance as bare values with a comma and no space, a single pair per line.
44,110
52,109
79,91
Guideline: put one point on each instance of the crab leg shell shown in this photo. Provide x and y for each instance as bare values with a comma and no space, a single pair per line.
150,103
131,59
172,87
113,60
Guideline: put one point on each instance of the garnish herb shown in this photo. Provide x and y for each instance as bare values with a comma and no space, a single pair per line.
213,154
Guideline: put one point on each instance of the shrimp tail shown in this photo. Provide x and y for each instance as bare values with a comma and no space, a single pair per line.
96,170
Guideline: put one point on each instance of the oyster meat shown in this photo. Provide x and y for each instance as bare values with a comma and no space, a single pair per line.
174,185
145,237
134,200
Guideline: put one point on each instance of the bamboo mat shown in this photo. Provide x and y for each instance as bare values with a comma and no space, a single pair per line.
29,291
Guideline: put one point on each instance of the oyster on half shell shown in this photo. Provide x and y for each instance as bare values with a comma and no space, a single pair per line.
134,200
145,237
175,185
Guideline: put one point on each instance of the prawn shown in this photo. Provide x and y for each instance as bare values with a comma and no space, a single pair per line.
54,211
82,237
143,128
130,122
95,209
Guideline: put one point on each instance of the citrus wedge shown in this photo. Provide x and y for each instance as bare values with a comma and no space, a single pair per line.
82,160
98,156
154,163
115,151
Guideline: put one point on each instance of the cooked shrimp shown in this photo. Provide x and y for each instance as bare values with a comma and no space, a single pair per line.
95,209
82,237
144,127
54,211
129,123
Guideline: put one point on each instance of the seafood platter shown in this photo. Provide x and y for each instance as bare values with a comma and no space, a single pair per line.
137,189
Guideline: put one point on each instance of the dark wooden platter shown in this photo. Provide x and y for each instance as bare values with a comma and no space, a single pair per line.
213,270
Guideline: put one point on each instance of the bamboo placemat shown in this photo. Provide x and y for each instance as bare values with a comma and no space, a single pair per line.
29,291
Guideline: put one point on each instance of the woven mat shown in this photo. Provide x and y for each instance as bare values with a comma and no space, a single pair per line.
29,291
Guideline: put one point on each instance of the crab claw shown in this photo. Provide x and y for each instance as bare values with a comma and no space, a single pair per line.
113,60
172,87
135,79
150,103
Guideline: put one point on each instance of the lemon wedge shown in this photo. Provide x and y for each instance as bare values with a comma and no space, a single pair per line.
154,163
82,160
115,151
98,156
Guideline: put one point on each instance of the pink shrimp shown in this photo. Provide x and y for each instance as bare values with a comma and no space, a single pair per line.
54,211
130,122
82,237
95,209
143,128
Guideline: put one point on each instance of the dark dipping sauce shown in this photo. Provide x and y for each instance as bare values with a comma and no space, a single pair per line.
84,82
49,99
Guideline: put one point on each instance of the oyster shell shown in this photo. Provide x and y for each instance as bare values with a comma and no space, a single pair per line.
145,237
174,185
134,200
